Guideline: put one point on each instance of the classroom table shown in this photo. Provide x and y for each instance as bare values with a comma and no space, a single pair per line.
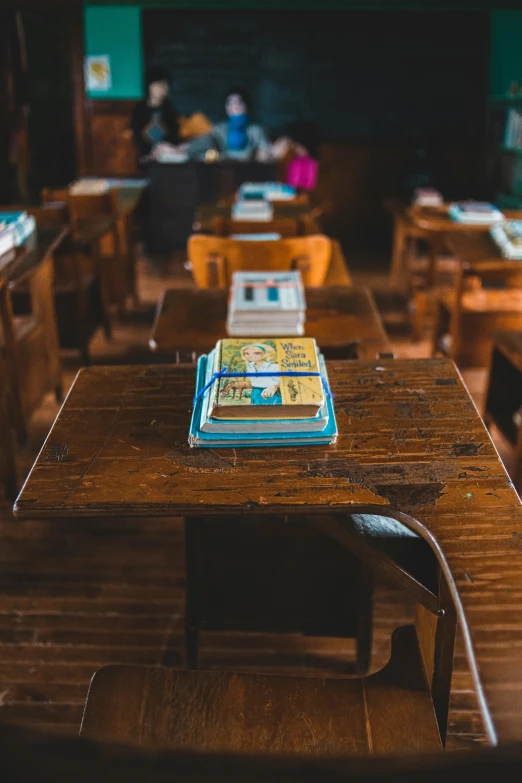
479,249
486,297
32,252
205,213
411,446
435,226
344,321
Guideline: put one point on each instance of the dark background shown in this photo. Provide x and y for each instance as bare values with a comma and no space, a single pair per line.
360,75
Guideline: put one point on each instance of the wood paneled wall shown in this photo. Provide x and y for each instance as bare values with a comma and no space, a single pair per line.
110,147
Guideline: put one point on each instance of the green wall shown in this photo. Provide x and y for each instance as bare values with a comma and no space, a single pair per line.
506,50
116,31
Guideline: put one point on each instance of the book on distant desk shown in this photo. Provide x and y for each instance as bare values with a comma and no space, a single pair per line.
266,378
7,241
270,303
206,432
508,238
20,224
475,212
269,191
253,210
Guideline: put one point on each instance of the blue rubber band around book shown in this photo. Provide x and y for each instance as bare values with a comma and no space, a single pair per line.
288,374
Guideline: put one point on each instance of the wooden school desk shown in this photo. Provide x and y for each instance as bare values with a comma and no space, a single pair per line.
344,321
205,214
438,225
411,446
435,226
471,317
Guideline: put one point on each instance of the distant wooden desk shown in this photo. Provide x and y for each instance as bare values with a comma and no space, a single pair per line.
441,228
504,395
282,209
435,227
344,321
411,446
471,316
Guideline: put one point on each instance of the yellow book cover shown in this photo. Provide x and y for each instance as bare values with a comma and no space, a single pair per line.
263,393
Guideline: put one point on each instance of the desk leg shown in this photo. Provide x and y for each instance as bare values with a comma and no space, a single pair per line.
397,268
192,592
436,636
517,471
364,639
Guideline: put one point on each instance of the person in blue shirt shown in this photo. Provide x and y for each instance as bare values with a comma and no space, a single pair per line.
237,137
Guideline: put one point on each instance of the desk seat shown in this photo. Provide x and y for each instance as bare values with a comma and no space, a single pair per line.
390,711
484,300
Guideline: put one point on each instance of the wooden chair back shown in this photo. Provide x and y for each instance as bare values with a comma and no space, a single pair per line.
114,250
30,342
83,206
214,259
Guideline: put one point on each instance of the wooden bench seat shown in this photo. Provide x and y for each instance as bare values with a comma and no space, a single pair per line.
484,300
390,711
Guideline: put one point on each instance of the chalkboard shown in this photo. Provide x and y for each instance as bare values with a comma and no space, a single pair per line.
359,75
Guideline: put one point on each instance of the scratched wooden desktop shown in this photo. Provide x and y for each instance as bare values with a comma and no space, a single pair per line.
344,321
411,446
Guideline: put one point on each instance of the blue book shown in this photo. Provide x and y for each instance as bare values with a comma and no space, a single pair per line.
200,439
22,225
475,212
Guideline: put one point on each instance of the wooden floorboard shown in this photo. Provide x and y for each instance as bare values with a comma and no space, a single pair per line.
75,596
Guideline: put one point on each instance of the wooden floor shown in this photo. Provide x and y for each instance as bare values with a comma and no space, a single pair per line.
81,594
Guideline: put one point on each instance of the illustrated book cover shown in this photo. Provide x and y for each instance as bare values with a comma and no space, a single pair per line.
262,392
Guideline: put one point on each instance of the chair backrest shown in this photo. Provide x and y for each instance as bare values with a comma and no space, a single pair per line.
214,259
83,206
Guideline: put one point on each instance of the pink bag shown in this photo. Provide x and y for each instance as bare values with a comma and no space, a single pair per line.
302,173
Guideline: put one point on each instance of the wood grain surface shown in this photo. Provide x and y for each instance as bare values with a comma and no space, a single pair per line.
344,321
411,446
390,711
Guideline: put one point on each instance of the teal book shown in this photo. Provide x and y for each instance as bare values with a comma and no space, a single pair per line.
250,439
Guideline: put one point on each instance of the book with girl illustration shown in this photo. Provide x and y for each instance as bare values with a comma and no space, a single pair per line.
266,378
262,392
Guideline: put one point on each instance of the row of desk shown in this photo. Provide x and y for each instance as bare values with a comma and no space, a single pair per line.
411,448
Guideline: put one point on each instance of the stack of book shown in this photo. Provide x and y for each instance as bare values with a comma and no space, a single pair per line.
259,394
89,186
269,191
270,303
15,227
475,213
250,209
427,197
6,239
508,238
